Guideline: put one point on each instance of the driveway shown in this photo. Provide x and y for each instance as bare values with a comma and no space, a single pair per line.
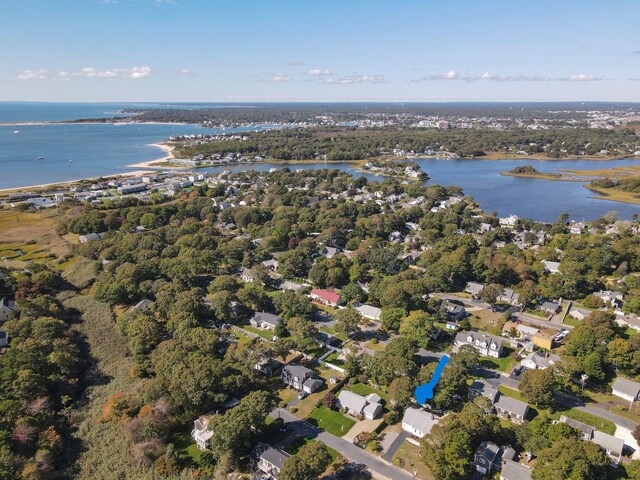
396,443
379,468
361,426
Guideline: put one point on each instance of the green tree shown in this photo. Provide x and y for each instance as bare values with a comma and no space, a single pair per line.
572,460
537,386
391,318
347,321
308,463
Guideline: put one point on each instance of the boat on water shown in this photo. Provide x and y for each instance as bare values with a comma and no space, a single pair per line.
70,161
16,131
40,158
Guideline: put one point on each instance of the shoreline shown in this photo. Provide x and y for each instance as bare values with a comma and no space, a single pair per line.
70,122
65,183
168,155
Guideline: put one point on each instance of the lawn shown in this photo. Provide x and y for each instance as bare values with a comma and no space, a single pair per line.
266,334
572,322
408,458
187,448
504,364
625,412
487,321
286,395
331,331
333,358
292,447
305,406
364,389
331,421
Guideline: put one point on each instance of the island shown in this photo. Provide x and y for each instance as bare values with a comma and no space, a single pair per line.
531,172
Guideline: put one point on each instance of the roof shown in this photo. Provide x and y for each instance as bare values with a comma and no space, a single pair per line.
611,444
372,408
478,336
246,272
512,405
297,370
289,285
329,295
488,450
264,317
419,419
481,387
352,401
312,382
627,387
3,334
274,457
5,302
144,304
583,427
474,287
368,310
542,361
550,306
515,471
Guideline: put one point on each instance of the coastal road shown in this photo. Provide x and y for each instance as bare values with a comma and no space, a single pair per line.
378,467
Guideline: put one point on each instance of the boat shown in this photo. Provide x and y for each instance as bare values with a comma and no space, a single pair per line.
16,131
40,158
70,161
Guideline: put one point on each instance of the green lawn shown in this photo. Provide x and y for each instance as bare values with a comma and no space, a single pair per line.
504,364
333,358
266,334
625,412
364,389
331,421
187,448
331,331
573,322
293,447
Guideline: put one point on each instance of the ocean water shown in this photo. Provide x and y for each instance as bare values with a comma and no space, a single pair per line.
74,151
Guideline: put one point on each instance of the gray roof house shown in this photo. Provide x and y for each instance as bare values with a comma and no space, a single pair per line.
296,377
626,389
549,307
265,320
418,422
509,296
474,288
289,285
587,430
368,311
489,457
4,339
144,305
367,407
612,445
90,237
486,344
511,409
271,460
512,470
247,275
454,311
538,361
311,385
482,387
7,309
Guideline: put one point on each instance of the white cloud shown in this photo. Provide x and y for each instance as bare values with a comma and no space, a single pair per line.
582,78
353,79
33,75
281,77
90,72
487,76
318,72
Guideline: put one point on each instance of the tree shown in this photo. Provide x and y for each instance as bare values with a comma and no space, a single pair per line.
537,386
491,292
347,321
467,357
572,459
289,304
418,326
391,318
400,392
149,220
308,463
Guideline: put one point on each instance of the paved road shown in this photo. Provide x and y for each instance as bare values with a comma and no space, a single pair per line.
597,410
380,468
395,445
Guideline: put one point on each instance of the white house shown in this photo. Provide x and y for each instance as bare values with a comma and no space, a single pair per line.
368,311
418,422
537,361
356,405
626,389
7,309
201,433
271,461
486,344
265,320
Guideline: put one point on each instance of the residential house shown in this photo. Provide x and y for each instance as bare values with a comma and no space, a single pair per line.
509,221
328,296
610,444
144,305
410,258
247,275
4,339
626,389
488,457
267,366
271,264
576,228
127,189
454,310
90,237
549,308
289,285
586,430
300,378
544,339
509,296
610,297
538,361
201,433
264,320
579,313
271,460
486,344
368,311
551,267
418,422
631,321
512,470
482,387
511,409
474,289
7,309
329,252
524,332
356,405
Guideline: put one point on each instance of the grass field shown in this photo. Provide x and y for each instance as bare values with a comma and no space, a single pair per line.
364,389
614,195
331,421
408,458
266,334
504,364
293,447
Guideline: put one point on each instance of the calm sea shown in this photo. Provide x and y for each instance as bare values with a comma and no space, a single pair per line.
79,151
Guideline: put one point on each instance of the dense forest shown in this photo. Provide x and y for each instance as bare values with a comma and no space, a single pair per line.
345,143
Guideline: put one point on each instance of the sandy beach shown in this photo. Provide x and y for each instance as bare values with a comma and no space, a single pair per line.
66,183
154,163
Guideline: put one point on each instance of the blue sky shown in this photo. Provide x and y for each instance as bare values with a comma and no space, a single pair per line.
329,50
